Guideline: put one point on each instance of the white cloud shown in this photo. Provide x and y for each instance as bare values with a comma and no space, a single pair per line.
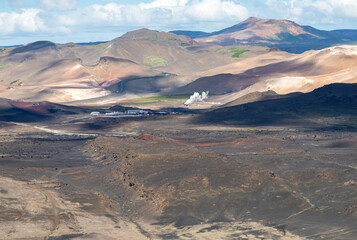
200,10
59,4
64,17
164,13
346,8
158,14
161,12
216,10
317,11
164,4
27,20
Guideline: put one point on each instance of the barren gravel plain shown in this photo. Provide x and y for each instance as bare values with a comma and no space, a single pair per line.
167,177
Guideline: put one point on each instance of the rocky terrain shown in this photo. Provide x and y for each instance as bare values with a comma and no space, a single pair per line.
77,176
98,141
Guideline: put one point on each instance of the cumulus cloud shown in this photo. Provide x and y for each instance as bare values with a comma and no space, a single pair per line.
314,12
27,20
162,12
343,8
164,4
216,10
60,5
64,16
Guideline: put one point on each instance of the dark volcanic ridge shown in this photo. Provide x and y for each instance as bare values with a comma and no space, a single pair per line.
258,96
328,101
16,111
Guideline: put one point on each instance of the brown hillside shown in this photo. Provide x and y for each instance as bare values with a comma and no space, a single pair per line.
258,31
293,73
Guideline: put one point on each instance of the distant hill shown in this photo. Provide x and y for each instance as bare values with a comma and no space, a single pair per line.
159,61
192,34
283,34
258,96
287,73
90,43
328,101
144,62
36,46
33,111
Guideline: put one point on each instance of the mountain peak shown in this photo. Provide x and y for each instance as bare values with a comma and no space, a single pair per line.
138,34
145,34
257,31
253,19
35,46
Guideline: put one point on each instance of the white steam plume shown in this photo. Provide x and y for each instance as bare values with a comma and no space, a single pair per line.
196,97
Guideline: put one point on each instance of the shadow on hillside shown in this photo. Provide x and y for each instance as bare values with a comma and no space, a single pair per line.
332,107
235,82
20,116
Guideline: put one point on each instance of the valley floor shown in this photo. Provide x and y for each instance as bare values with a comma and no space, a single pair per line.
168,178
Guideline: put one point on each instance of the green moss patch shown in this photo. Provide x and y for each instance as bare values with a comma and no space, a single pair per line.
14,82
236,52
155,61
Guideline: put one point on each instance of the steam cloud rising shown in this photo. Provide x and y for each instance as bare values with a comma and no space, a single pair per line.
196,97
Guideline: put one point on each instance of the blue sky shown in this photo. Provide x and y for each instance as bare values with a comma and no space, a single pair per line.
24,21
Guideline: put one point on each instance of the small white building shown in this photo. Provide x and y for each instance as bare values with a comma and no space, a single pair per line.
137,112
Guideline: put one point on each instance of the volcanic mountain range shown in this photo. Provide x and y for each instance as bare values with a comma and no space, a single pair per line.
272,154
284,34
145,63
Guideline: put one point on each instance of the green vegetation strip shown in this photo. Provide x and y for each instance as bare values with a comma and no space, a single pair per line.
237,52
155,61
13,82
